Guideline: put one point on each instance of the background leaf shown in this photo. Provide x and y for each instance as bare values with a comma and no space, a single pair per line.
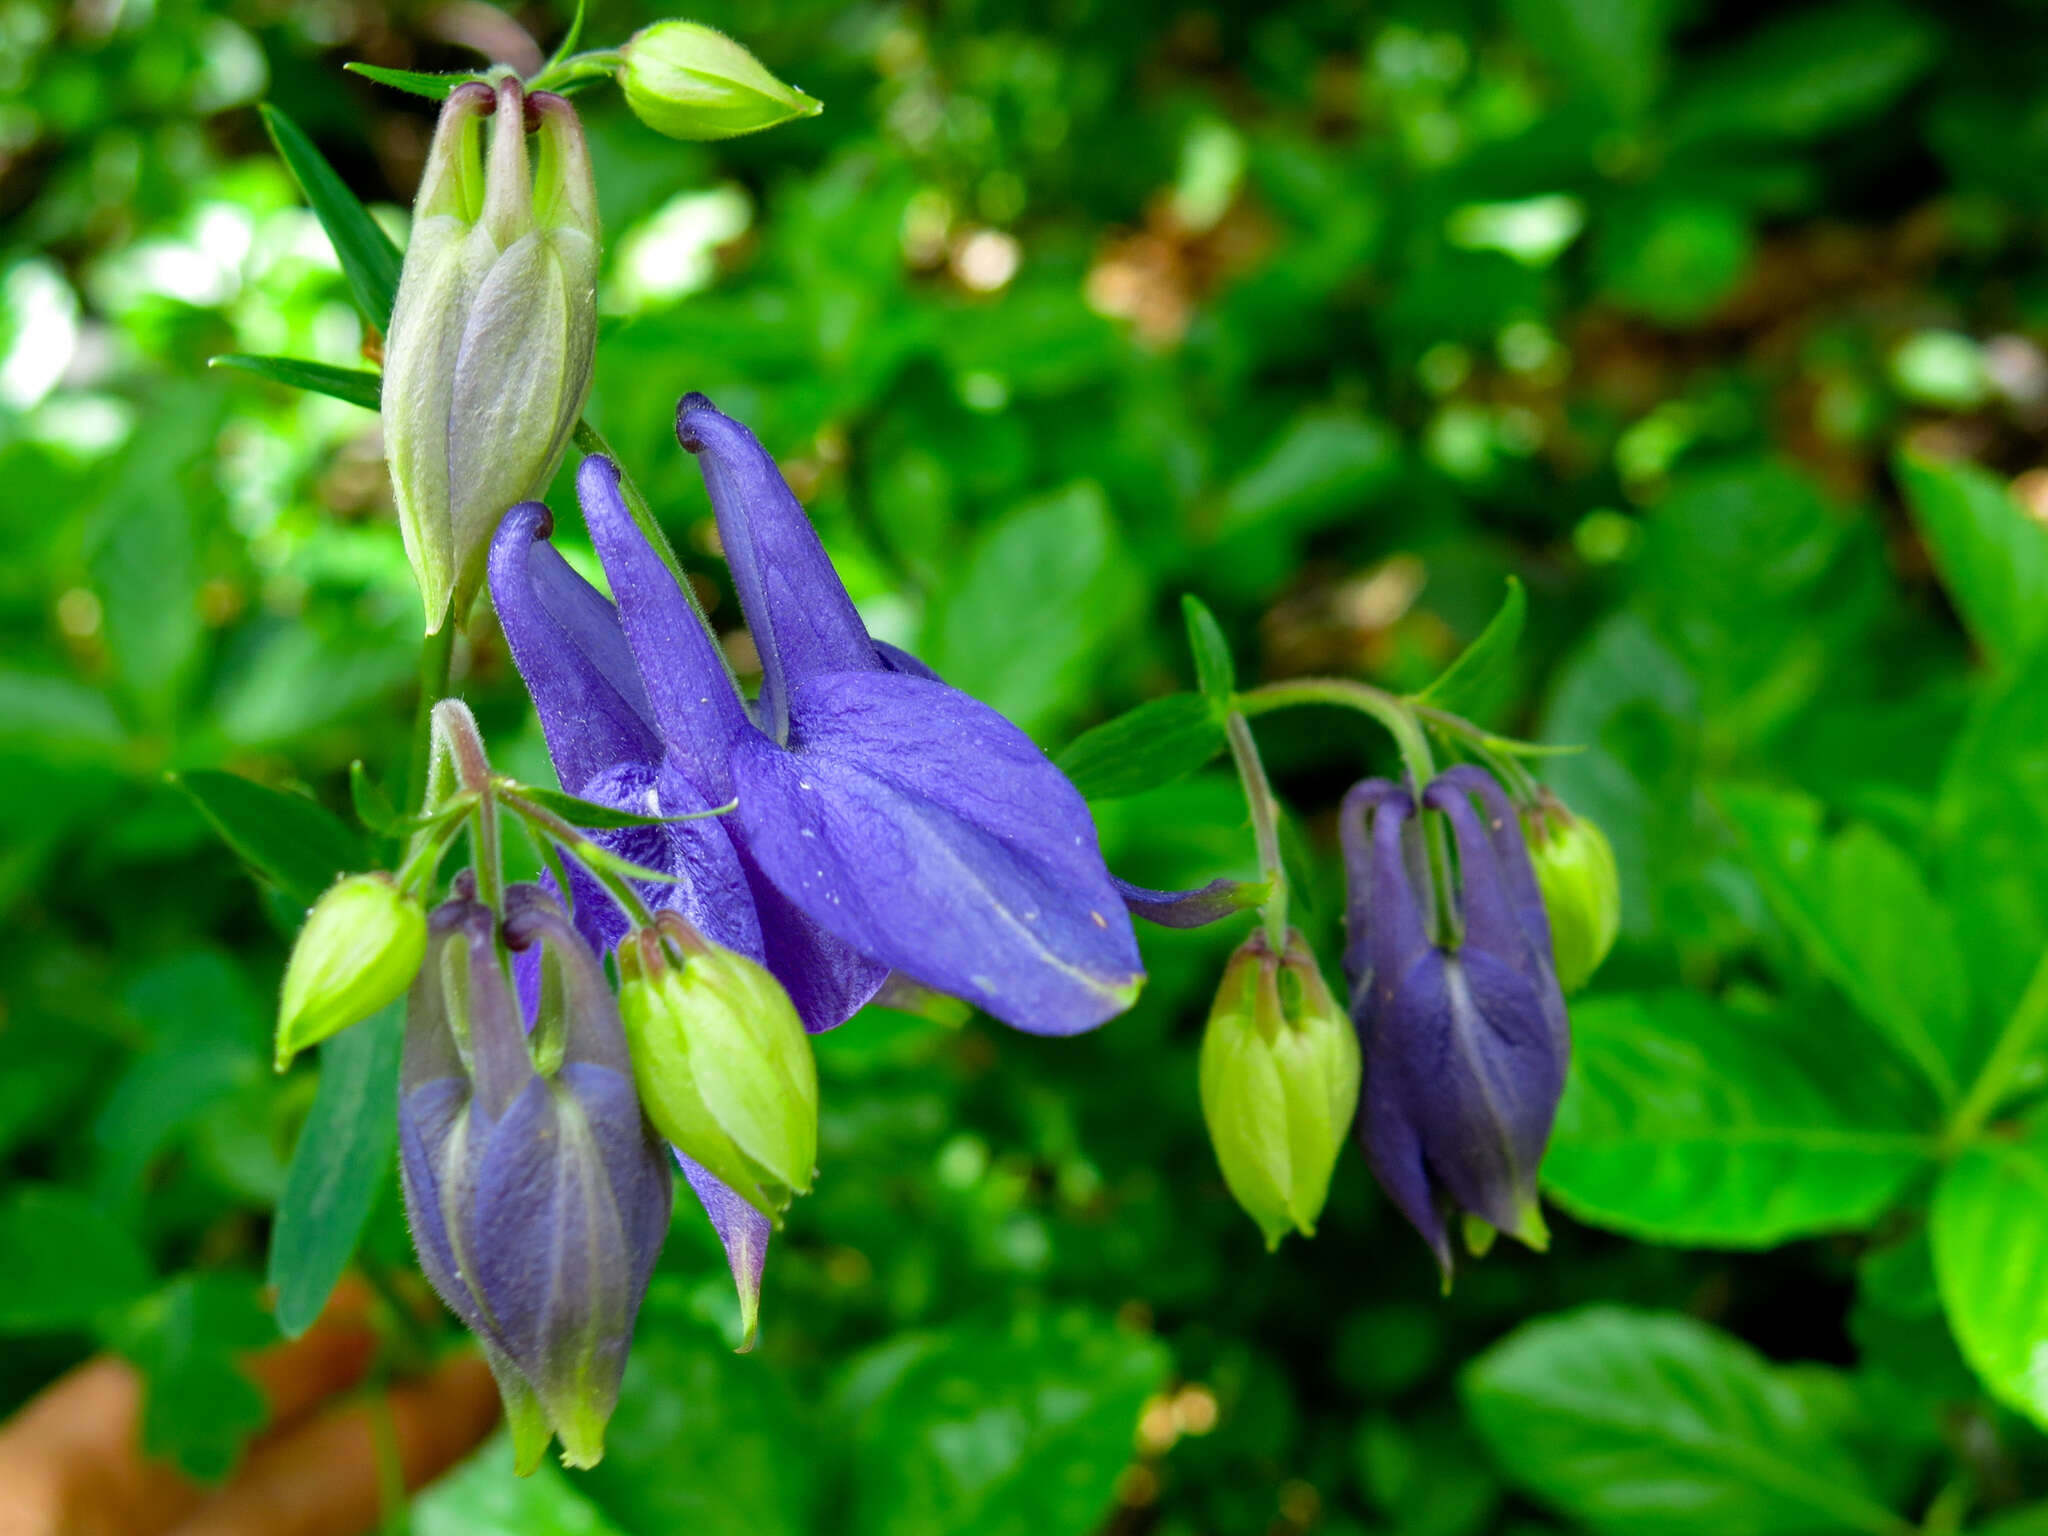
1990,1232
367,254
1153,744
1992,556
287,839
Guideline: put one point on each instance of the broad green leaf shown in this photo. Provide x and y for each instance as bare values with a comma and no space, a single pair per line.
1159,741
341,1164
702,1442
293,842
1990,825
1992,556
58,718
1013,1432
1863,913
368,258
69,1262
482,1498
1653,1424
1673,258
1807,71
1990,1232
1470,679
1045,589
1321,463
1215,672
1613,49
199,1406
357,386
417,82
1685,1122
2030,1520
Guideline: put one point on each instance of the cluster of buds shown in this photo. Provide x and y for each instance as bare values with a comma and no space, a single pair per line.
489,356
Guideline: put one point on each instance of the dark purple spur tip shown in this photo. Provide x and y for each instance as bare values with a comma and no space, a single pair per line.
532,518
686,407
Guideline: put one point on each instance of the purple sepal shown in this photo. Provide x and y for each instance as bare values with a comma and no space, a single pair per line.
744,1232
1197,908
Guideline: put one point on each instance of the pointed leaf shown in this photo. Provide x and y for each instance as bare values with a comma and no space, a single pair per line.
433,87
342,1161
287,839
588,813
358,386
1470,680
1992,556
1159,741
1215,672
368,258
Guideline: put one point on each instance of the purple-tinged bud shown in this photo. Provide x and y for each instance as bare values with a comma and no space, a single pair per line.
489,357
1581,888
1463,1024
1279,1080
685,80
537,1195
724,1065
358,952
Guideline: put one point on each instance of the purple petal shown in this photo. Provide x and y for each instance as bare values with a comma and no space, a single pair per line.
933,836
802,621
566,641
688,688
1197,908
744,1232
1393,1147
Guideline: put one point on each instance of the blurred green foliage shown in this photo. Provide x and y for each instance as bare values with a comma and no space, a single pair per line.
1720,326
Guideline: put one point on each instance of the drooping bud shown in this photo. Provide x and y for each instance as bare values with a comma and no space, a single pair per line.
1279,1074
537,1195
722,1060
1581,888
690,82
358,952
1465,1034
489,357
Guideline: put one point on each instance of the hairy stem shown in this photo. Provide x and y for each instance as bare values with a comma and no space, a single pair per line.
1265,813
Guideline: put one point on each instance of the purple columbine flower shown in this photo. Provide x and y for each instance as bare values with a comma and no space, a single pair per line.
538,1200
1465,1039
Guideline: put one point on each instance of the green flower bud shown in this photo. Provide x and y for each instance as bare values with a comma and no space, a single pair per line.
722,1062
358,952
1280,1073
689,82
1581,888
488,361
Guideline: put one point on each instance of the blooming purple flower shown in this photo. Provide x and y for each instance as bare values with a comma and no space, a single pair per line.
538,1201
1465,1040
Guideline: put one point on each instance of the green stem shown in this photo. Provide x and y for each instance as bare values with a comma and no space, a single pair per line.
437,654
1265,813
2016,1043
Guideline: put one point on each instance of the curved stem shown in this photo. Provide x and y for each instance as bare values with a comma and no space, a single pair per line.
1265,813
437,655
1388,709
572,838
2016,1042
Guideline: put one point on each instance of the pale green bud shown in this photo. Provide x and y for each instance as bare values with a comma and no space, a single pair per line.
722,1062
1581,888
488,362
358,952
1280,1073
689,82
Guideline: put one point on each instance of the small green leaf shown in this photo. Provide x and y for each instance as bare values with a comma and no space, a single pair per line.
368,258
1862,911
1685,1122
357,386
588,813
69,1262
1215,672
373,806
1993,558
1469,680
433,87
1159,741
1652,1424
569,41
1990,1232
199,1408
478,1499
287,839
340,1165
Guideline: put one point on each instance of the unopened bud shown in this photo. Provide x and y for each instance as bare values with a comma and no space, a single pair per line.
489,357
1279,1072
1575,870
723,1064
358,952
690,82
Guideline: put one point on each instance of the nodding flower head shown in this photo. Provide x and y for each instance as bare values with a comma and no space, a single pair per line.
488,360
537,1195
1457,1006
